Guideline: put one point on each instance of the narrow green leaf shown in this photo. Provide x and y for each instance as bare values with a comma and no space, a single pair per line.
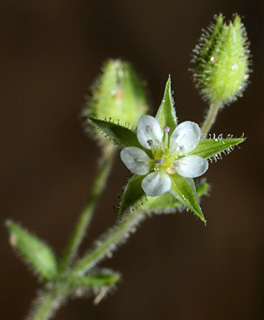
209,148
97,279
184,190
37,254
167,203
133,192
97,283
120,135
166,114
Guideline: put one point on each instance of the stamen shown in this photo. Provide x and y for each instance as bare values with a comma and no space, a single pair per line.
182,148
166,138
176,164
150,142
153,142
157,160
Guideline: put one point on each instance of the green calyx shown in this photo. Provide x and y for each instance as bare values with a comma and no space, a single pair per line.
118,94
183,191
222,61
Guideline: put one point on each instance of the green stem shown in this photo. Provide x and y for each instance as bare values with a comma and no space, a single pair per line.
51,300
86,215
106,244
46,304
210,117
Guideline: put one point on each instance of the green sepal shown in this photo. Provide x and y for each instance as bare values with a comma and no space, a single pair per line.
36,253
119,134
166,114
210,148
184,190
133,193
211,41
167,203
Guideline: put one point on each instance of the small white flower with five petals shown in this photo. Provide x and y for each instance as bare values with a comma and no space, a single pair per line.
165,156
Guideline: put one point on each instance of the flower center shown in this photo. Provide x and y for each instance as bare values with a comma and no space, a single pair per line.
164,158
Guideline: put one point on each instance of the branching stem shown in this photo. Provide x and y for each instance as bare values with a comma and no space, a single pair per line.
50,300
109,242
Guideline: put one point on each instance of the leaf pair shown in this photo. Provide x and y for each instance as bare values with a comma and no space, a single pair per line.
41,258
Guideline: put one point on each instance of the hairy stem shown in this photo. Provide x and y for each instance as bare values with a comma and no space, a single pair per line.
50,300
46,305
86,215
106,244
210,117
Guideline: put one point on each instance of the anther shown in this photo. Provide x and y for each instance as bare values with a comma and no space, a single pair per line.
150,142
157,160
166,129
182,148
176,164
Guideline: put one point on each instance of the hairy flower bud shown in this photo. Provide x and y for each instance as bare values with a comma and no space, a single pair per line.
118,95
222,61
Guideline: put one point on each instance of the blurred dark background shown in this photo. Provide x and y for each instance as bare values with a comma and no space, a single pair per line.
173,267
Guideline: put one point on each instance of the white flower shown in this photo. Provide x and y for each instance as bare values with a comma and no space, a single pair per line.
167,156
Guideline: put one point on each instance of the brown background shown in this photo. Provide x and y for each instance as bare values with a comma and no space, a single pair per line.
173,267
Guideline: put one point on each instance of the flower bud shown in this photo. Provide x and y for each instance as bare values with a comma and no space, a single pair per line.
117,95
222,61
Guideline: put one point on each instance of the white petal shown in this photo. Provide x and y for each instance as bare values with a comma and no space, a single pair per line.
148,129
185,137
191,166
136,160
156,183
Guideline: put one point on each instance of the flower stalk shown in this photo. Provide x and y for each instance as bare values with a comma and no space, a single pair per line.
210,117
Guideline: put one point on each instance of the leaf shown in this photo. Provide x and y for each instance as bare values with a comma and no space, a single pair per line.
209,148
167,203
166,114
120,135
37,254
184,190
97,279
133,192
98,282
